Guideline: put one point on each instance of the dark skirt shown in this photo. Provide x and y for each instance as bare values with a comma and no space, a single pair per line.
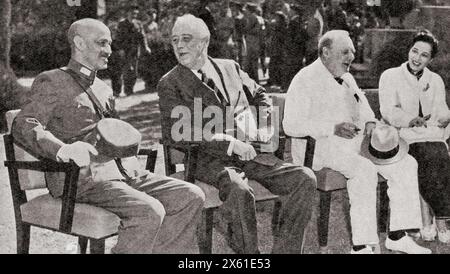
434,175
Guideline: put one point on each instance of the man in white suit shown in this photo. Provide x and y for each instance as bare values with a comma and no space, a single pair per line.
324,102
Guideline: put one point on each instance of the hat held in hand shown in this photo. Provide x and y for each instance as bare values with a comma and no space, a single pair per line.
117,138
384,146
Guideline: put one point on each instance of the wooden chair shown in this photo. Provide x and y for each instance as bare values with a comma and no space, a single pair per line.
327,180
88,223
187,158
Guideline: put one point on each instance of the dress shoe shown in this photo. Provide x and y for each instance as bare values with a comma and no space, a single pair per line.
406,245
365,250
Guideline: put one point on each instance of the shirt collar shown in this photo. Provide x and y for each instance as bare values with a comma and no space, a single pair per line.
418,74
206,68
325,72
86,75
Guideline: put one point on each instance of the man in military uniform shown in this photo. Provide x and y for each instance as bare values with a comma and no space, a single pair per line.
130,43
158,214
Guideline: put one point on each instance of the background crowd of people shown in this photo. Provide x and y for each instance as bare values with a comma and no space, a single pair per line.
271,41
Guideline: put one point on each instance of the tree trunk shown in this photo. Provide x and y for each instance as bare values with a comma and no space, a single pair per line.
10,91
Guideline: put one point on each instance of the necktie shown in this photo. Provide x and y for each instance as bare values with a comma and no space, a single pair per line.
210,83
339,80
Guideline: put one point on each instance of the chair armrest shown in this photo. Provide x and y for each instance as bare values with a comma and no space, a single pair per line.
71,171
152,155
190,159
309,153
43,166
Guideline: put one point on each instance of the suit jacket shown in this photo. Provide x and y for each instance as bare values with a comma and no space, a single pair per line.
181,87
61,112
315,103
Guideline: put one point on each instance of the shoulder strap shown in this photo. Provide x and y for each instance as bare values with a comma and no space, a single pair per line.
99,109
101,112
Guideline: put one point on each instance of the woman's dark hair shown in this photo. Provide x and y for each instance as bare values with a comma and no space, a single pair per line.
427,37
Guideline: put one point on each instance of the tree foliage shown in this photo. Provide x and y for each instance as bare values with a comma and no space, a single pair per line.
10,91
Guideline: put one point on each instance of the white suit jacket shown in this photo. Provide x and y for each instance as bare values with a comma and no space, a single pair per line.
315,103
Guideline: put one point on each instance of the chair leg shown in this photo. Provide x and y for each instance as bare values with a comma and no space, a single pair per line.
23,238
97,246
276,217
384,208
324,216
205,231
82,242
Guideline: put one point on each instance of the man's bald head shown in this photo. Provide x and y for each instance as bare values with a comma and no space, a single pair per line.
84,28
90,41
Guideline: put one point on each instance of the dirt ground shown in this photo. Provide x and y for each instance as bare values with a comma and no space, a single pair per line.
141,110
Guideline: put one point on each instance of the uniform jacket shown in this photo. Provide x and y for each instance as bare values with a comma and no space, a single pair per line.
61,113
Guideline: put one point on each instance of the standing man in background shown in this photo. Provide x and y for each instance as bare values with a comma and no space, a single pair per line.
206,13
130,43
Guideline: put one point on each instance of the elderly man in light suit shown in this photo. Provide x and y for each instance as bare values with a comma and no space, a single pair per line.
225,160
324,101
158,214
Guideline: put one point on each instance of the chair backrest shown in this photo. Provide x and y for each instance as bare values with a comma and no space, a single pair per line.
374,101
278,100
28,179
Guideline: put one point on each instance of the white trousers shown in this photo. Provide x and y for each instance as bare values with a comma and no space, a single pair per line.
403,192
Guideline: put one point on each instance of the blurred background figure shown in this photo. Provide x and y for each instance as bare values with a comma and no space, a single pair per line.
253,31
130,43
262,40
295,45
277,28
151,28
206,12
149,65
315,27
237,11
335,16
225,31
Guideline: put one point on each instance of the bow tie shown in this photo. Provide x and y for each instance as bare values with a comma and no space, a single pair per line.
339,80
